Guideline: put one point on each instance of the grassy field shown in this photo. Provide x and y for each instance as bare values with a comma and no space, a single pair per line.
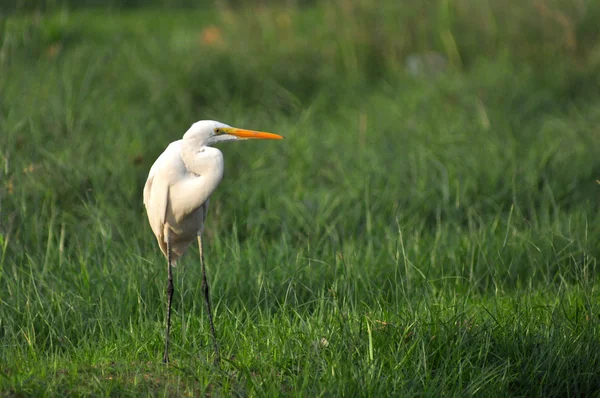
435,234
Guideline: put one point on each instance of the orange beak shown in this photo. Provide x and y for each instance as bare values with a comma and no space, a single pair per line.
250,134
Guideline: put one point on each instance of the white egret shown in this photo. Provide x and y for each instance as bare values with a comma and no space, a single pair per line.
176,197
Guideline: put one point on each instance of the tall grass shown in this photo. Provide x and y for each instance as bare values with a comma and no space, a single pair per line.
413,235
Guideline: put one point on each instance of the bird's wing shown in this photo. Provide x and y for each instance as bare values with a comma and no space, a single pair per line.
156,191
156,194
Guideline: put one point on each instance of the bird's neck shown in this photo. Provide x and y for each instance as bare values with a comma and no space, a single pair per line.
201,160
191,154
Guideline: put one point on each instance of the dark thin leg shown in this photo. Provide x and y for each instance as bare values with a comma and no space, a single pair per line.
170,290
205,291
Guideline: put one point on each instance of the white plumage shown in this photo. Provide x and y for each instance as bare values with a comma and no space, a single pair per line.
177,192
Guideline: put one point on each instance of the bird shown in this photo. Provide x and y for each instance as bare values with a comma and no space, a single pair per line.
176,196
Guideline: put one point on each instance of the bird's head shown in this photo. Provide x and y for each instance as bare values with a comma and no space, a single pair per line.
206,132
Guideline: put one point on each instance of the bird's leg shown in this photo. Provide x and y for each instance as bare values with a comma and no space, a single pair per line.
205,291
170,290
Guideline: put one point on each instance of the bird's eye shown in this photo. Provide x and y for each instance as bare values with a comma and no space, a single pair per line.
216,130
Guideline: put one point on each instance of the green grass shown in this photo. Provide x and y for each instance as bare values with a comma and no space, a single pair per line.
428,236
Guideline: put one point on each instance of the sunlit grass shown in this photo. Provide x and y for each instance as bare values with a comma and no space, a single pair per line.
411,236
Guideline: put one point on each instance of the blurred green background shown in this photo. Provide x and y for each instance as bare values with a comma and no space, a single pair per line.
430,225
